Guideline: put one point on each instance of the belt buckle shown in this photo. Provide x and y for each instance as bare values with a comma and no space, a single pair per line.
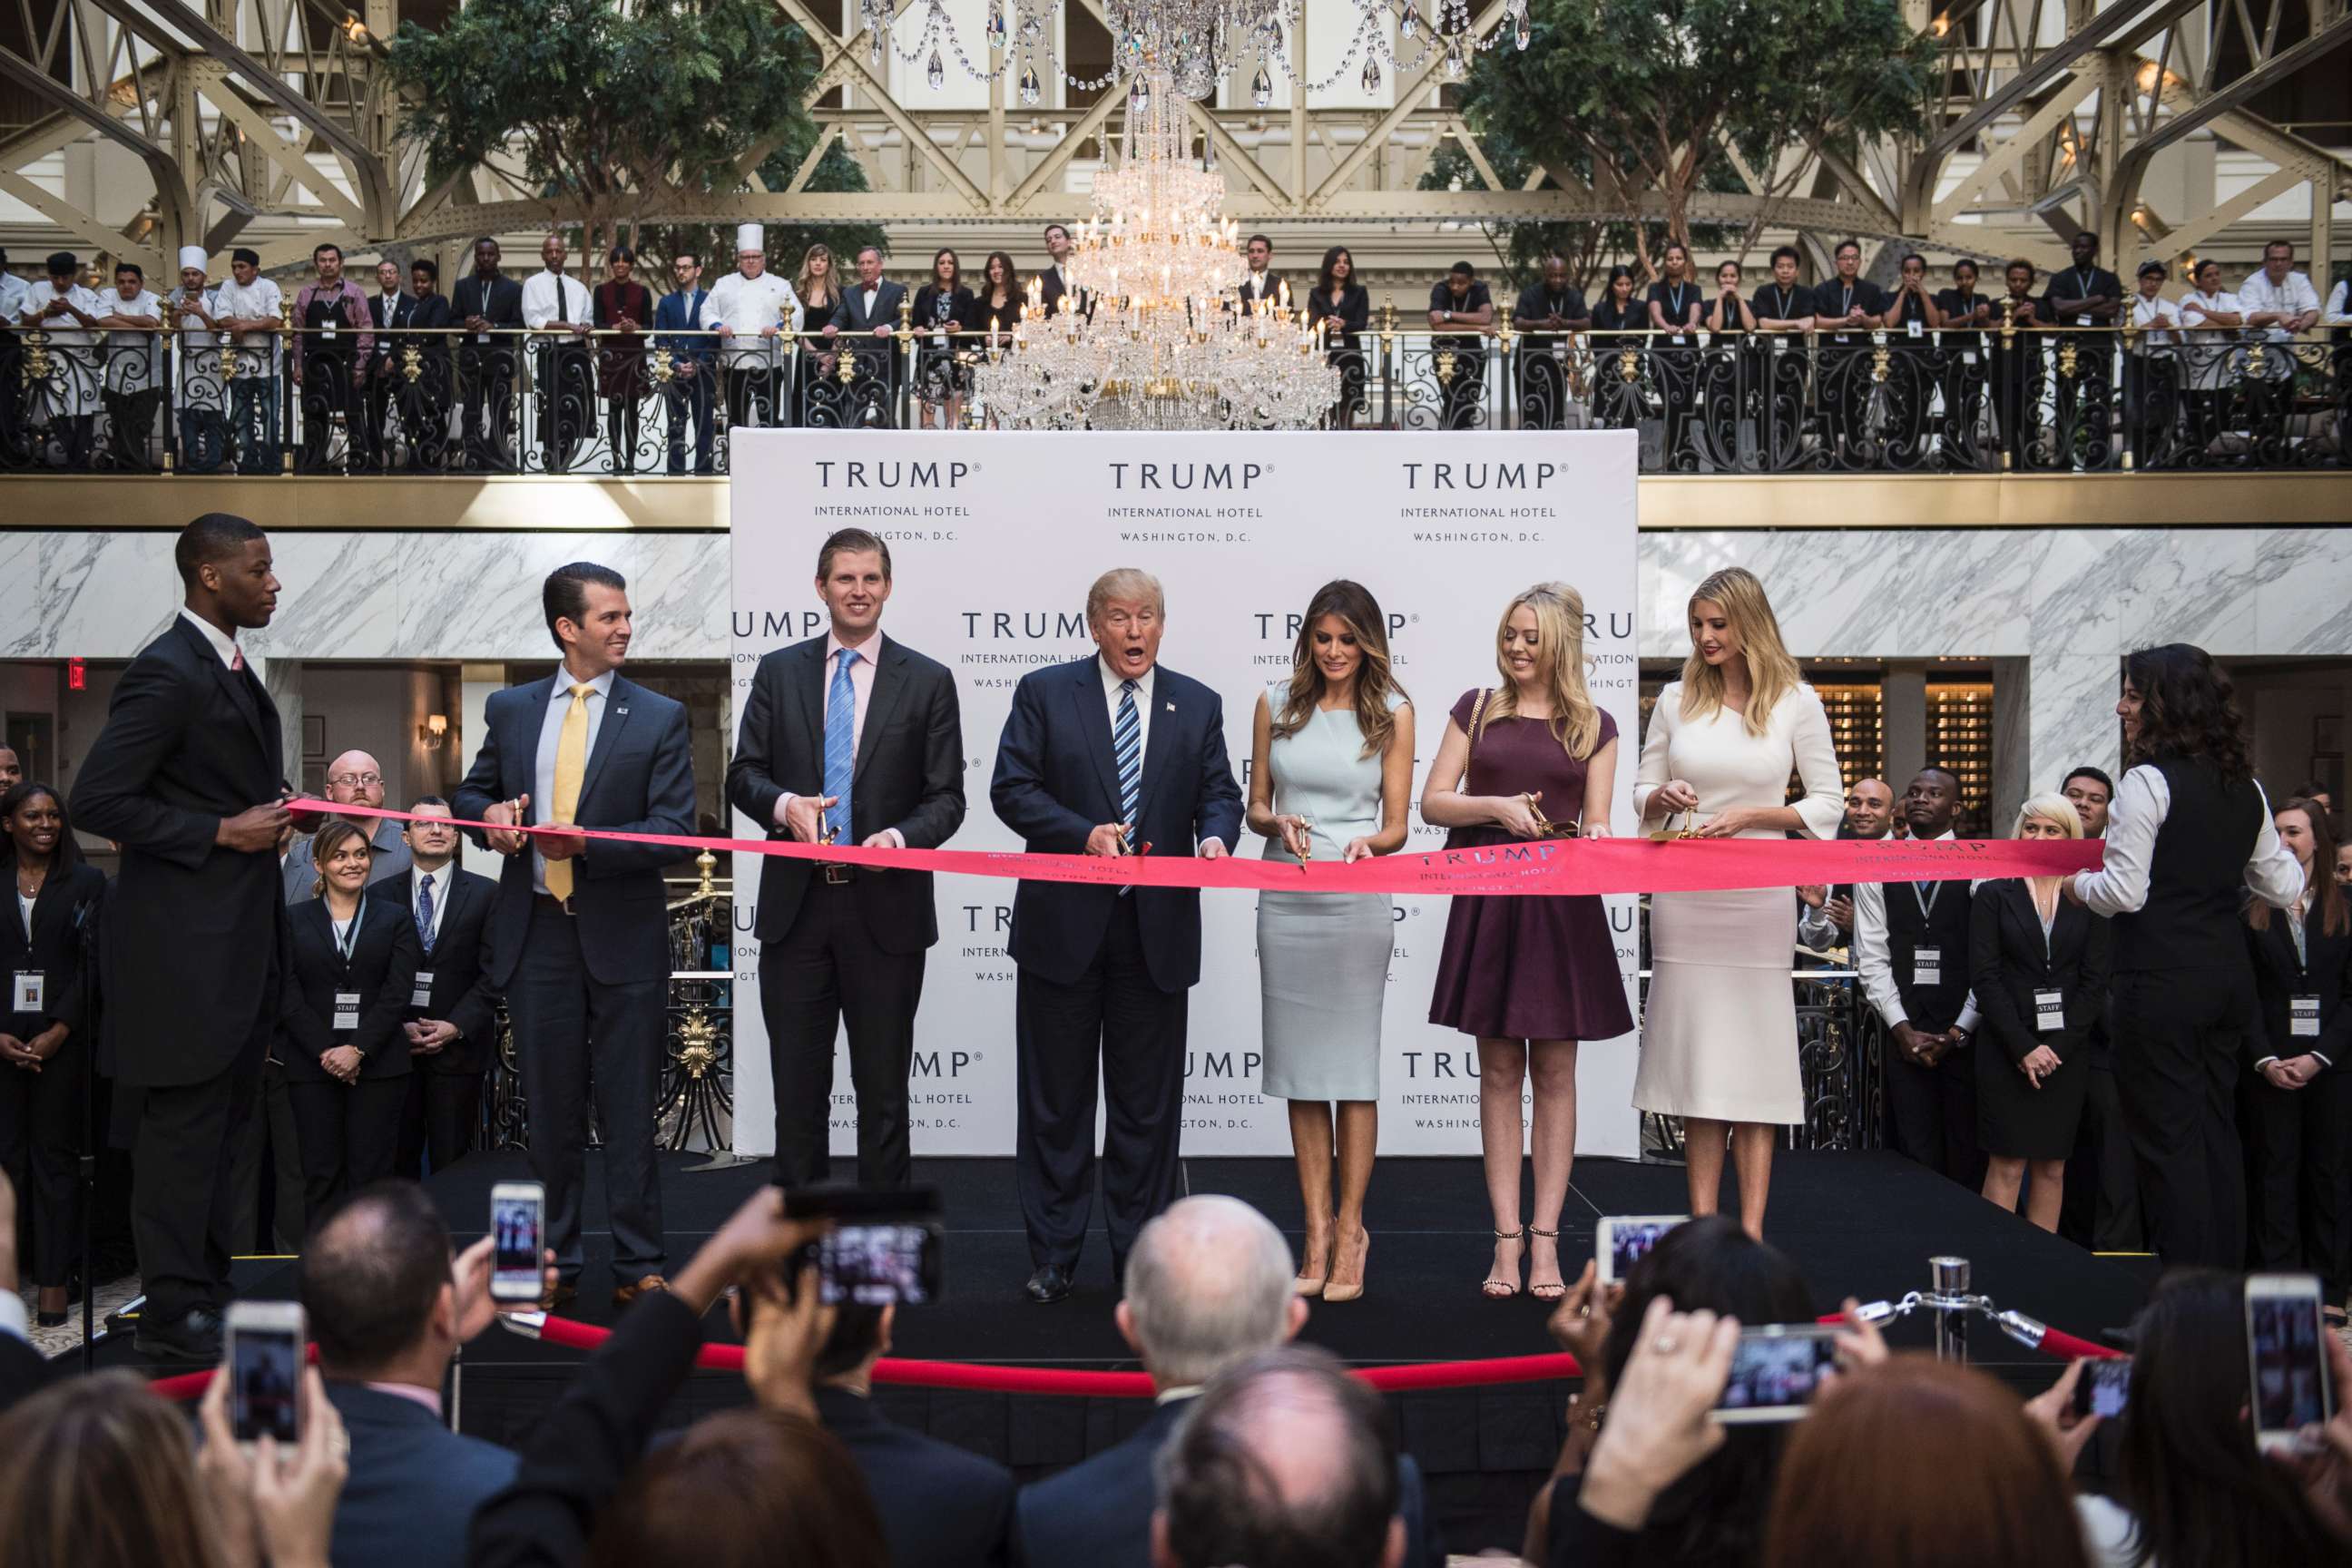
838,874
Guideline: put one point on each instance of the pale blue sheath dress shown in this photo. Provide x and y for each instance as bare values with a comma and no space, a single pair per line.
1323,958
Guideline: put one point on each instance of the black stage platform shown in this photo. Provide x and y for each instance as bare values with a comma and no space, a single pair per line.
1859,1224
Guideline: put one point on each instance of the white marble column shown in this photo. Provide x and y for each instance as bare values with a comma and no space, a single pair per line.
282,679
2072,719
476,683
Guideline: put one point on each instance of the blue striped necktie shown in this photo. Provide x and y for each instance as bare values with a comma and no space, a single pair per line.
1127,744
840,744
424,912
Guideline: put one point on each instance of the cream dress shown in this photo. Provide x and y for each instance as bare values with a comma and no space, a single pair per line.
1721,1037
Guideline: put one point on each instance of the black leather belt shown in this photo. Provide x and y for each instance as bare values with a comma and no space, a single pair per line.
835,874
550,902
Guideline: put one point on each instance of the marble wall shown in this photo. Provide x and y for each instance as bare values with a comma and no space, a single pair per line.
2069,602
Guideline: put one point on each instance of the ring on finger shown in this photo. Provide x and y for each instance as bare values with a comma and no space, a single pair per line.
1666,1344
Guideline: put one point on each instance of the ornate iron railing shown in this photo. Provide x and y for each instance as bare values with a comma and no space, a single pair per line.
446,401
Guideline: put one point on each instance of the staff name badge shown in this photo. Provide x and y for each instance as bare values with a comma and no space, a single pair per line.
2302,1017
26,990
1916,328
1927,967
421,994
327,328
2049,1011
347,1010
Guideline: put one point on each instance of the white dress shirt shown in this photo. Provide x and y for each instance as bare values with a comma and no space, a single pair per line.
223,644
746,307
13,290
1143,686
130,351
861,690
1874,957
2142,798
2213,351
551,297
441,879
198,364
550,735
63,332
2337,314
2152,316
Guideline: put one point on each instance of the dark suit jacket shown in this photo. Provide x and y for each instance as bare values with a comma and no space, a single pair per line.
1254,287
851,315
70,899
2277,978
942,1505
383,970
23,1371
683,313
1057,779
414,1484
1050,292
581,1450
459,963
640,778
2008,961
501,304
1098,1513
193,931
909,776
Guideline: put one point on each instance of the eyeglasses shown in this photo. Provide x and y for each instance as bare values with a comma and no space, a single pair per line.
357,781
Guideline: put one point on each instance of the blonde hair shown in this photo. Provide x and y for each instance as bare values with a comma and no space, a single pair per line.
1771,673
2054,808
1558,610
1124,583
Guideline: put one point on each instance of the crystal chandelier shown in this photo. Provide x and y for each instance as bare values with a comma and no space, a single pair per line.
1195,44
1165,345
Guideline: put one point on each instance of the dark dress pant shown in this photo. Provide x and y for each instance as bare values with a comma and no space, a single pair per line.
438,1120
347,1133
2180,1037
825,970
1116,1029
569,1024
183,1193
42,1135
1931,1113
2299,1174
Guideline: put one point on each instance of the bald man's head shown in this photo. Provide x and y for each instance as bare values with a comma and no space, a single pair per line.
377,1285
1284,1461
1207,1285
1869,808
355,778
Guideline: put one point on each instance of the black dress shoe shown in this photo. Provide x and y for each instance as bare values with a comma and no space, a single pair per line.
1049,1284
193,1337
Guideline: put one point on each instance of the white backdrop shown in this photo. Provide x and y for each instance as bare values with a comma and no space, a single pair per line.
994,537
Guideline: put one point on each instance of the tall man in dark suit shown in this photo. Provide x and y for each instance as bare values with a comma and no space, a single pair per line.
693,363
1111,755
1054,283
488,305
389,1312
186,776
580,936
452,1027
849,737
1208,1288
868,317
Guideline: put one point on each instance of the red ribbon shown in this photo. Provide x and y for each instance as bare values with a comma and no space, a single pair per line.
1551,866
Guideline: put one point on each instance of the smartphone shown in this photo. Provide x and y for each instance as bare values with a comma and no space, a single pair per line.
884,1247
2288,1357
1776,1371
2102,1387
518,1255
1623,1240
265,1344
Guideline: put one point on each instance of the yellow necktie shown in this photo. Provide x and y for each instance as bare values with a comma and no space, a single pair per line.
571,767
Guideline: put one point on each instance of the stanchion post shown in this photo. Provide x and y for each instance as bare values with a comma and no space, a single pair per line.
1947,1280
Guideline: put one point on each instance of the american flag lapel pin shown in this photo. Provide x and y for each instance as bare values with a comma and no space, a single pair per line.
1171,708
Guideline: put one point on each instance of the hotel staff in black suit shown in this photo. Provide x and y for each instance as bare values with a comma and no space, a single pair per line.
580,935
868,317
858,736
1111,755
453,1030
1553,307
2298,1106
46,946
351,965
1849,308
187,777
488,305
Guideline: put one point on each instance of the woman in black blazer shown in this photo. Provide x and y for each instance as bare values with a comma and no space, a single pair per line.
44,1043
942,307
2038,963
2298,1108
351,969
1339,298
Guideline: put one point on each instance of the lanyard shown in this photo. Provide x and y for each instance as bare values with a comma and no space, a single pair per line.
349,937
1784,303
1675,303
2084,280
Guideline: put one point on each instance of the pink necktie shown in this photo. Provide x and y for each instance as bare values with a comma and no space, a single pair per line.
236,657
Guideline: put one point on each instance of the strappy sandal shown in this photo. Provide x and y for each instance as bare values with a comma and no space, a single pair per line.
1548,1292
1495,1289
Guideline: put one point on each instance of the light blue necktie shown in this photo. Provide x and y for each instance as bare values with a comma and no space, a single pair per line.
424,913
840,744
1127,745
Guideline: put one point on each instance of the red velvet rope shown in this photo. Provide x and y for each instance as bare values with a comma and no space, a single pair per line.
976,1378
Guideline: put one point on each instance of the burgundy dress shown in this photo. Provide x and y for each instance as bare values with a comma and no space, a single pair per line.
1534,968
